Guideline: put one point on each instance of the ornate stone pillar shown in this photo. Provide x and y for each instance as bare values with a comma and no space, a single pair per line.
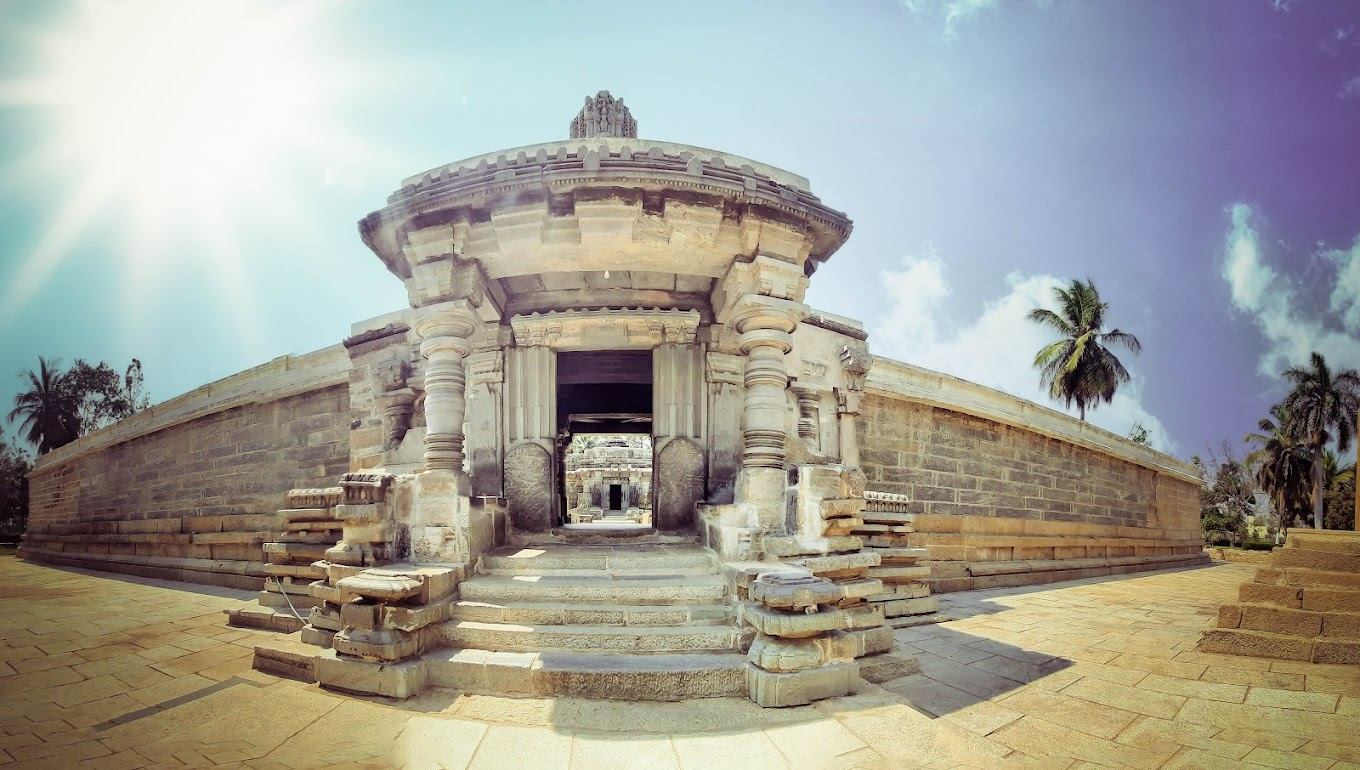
444,332
765,325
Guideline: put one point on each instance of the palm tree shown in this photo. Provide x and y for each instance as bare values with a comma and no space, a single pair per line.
1322,404
1283,464
50,408
1078,367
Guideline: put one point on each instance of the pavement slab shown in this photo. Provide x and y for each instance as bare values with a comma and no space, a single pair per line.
115,672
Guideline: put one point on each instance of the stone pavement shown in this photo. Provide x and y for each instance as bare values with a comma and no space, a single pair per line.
111,673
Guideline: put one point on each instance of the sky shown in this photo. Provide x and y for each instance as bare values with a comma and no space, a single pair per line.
180,182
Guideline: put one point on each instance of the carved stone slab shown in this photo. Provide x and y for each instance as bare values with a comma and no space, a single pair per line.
529,487
679,482
794,592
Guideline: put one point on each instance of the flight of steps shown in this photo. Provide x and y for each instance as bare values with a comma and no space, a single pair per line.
1305,605
636,621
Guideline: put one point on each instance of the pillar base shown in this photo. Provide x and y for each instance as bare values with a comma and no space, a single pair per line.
764,490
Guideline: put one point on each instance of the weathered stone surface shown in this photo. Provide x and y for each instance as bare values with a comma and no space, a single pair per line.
263,619
783,591
774,654
529,487
360,512
393,680
846,562
678,479
770,689
412,618
325,617
386,645
361,615
810,546
886,667
899,607
382,586
793,625
1259,644
317,637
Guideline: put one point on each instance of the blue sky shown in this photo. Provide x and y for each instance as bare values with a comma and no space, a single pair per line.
181,182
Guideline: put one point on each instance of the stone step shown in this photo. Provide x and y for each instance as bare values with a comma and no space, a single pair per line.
596,559
559,614
1338,541
606,534
1263,644
590,675
287,657
499,589
1309,558
633,640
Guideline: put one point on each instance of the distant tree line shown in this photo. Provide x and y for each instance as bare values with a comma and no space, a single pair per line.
56,408
1293,461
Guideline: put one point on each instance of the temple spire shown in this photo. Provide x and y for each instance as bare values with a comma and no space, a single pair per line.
603,116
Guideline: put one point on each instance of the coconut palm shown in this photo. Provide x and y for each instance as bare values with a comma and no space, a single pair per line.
1078,366
1324,408
1283,464
50,408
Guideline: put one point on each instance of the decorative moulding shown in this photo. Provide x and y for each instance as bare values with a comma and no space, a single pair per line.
607,329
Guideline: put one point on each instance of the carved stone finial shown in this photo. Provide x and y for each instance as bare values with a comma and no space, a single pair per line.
603,116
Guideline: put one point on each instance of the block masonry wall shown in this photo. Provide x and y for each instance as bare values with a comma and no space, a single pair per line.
1006,492
188,490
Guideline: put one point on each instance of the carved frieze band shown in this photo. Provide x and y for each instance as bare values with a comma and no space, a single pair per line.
602,329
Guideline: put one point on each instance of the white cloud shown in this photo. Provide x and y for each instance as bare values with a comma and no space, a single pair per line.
1351,88
954,12
1293,326
995,349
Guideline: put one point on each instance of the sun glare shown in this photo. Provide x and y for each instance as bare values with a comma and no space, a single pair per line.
179,114
167,95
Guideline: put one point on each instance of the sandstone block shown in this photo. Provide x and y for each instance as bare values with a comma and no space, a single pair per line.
326,537
842,508
1337,651
434,582
289,515
898,574
345,553
901,607
841,527
860,588
1229,615
839,563
1256,644
797,688
307,571
1330,600
901,556
267,620
387,645
1277,620
784,591
361,513
287,603
381,585
293,552
337,572
810,546
317,637
325,617
412,618
840,646
793,625
867,616
1302,576
887,667
1338,541
774,654
326,592
1341,624
1290,597
1329,561
393,680
361,615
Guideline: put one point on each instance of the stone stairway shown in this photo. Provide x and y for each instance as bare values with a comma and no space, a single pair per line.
637,621
1305,605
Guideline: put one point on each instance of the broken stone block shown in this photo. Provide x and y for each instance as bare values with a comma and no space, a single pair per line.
797,688
322,590
810,546
839,563
412,618
263,619
361,615
861,588
774,654
898,574
381,585
386,645
848,645
319,637
435,582
290,515
900,607
793,625
345,553
784,591
360,513
393,680
337,572
325,617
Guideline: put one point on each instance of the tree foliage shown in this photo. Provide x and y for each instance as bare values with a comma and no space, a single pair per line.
1339,493
1322,408
59,407
1078,367
14,467
1227,497
1283,465
49,411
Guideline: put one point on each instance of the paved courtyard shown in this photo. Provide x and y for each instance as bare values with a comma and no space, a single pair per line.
111,673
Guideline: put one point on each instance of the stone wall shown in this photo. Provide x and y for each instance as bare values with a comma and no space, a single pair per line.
1007,492
188,489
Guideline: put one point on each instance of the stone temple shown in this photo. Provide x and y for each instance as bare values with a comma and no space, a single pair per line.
607,451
